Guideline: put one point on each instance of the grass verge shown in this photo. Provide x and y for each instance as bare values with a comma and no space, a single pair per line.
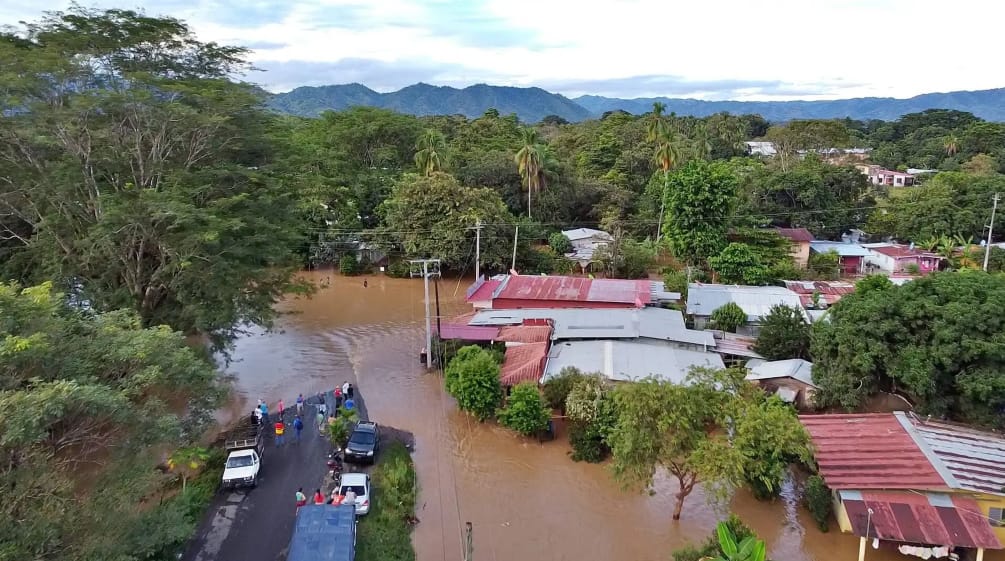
187,507
386,533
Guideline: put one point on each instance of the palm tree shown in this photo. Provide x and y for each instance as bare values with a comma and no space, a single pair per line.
951,144
529,160
431,149
666,155
657,126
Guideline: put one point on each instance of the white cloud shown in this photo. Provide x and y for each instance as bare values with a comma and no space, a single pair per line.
818,50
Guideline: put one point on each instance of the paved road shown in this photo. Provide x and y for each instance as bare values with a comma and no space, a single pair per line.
256,524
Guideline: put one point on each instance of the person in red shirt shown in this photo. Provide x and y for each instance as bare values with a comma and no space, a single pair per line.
319,499
280,429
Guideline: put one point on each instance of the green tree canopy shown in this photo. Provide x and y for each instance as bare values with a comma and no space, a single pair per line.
136,172
784,334
472,377
431,216
936,339
90,404
728,317
700,196
525,410
737,263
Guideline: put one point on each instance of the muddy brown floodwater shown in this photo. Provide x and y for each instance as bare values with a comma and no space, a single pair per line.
526,500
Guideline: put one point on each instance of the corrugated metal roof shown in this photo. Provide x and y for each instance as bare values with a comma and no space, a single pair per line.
524,333
324,532
523,363
923,518
795,234
869,451
899,251
628,360
577,289
584,233
467,332
795,368
484,291
974,460
844,249
734,345
830,291
628,323
756,301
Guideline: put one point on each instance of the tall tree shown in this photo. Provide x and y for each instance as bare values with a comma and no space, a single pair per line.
431,152
952,144
784,334
700,197
135,172
529,162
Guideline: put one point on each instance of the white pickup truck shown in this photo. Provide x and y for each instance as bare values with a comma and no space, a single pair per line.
245,445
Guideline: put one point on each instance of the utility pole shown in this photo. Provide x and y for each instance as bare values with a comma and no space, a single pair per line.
991,227
516,237
426,272
469,545
439,348
478,247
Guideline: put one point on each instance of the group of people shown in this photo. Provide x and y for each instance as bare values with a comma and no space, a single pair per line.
344,397
336,498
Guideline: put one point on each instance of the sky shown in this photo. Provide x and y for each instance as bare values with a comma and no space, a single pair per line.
703,49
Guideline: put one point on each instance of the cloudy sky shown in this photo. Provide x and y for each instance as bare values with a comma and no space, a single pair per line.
708,49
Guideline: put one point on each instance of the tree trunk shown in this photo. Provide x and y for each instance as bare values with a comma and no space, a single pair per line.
529,191
678,505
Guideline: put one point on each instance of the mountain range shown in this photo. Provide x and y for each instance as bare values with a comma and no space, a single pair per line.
533,104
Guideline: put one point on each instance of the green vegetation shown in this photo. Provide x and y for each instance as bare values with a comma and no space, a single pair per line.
818,500
592,415
700,196
525,411
559,243
936,339
728,317
386,533
784,334
685,429
724,544
556,390
71,386
472,377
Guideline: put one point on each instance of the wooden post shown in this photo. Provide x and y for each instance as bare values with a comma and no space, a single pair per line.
861,549
980,554
469,545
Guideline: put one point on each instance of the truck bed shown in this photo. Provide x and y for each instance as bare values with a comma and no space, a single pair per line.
324,533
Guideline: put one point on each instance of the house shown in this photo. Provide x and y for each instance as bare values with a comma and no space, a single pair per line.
755,301
819,295
523,363
650,324
892,258
851,255
800,239
507,292
761,148
879,176
585,243
627,360
912,483
791,379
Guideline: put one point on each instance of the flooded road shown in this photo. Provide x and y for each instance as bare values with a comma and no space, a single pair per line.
526,500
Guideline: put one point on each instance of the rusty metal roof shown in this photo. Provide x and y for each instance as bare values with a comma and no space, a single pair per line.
523,363
869,451
524,333
795,234
830,291
971,459
483,291
577,289
467,332
925,518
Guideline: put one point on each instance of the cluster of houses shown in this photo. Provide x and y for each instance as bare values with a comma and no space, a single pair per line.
857,258
927,489
877,174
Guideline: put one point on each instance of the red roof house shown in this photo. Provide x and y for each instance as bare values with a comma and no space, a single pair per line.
829,292
519,291
523,363
800,239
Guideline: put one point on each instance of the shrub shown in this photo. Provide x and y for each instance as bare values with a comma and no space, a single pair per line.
559,243
912,269
593,416
525,412
472,377
676,281
398,269
588,445
784,334
729,317
712,548
818,500
348,265
385,535
556,390
825,266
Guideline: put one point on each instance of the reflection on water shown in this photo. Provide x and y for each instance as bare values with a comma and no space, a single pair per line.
526,500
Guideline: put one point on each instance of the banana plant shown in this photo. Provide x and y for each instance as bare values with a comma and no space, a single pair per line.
749,548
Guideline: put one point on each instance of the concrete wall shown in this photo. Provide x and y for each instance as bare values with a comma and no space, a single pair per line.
800,252
986,503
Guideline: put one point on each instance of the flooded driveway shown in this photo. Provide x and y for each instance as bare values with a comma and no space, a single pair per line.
526,500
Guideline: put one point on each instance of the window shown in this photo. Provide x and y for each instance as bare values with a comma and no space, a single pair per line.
997,516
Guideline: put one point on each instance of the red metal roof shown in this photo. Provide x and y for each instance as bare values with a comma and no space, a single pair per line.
913,518
830,291
484,291
576,289
795,234
870,451
523,363
468,332
901,251
525,333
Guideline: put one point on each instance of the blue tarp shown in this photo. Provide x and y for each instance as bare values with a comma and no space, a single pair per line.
324,533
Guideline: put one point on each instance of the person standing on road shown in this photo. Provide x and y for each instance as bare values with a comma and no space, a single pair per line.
338,398
300,404
350,497
298,427
350,392
319,499
264,408
301,498
321,423
280,429
281,408
345,389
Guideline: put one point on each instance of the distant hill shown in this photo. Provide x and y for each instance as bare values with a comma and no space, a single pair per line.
530,104
533,104
986,104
